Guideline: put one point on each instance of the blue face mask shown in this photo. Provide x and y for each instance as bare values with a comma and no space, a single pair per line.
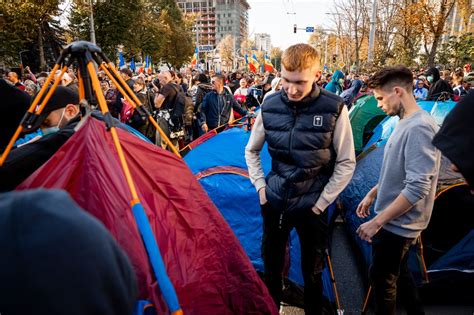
51,130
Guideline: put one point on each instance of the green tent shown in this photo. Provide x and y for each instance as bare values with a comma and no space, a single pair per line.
364,117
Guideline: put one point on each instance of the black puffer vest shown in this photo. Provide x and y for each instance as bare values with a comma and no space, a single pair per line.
299,136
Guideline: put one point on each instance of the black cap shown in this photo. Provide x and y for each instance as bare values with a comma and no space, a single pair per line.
61,97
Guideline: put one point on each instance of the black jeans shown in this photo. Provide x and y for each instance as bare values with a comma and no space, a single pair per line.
389,269
312,231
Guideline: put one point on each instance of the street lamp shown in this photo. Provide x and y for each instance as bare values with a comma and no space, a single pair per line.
370,55
91,18
21,58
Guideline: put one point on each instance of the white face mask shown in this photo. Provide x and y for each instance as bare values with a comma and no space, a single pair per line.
51,130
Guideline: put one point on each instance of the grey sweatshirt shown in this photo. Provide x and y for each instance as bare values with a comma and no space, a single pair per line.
410,167
345,161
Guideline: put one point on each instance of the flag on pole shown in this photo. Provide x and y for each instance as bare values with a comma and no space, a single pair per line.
121,60
254,64
195,57
132,65
150,66
268,64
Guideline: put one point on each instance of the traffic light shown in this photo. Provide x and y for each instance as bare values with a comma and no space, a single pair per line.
334,58
294,28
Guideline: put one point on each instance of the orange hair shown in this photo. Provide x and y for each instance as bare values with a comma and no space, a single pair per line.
300,57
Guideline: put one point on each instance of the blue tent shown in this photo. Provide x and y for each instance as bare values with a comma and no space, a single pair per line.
219,164
382,132
448,239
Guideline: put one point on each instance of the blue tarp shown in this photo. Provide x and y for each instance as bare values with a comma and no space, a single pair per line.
237,199
382,132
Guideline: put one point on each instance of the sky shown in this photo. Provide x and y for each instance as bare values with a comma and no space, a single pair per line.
270,16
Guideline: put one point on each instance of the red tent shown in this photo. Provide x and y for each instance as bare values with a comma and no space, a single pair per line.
206,264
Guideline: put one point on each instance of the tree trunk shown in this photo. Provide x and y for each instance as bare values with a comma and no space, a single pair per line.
434,48
41,48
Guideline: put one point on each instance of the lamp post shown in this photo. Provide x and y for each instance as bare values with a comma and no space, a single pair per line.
370,55
91,18
21,58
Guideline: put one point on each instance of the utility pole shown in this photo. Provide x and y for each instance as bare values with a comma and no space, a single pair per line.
92,23
326,51
356,20
370,56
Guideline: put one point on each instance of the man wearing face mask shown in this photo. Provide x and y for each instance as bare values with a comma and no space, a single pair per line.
310,141
57,121
336,84
439,88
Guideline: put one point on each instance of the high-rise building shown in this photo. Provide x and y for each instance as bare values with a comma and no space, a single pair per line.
263,42
217,18
232,18
455,25
205,28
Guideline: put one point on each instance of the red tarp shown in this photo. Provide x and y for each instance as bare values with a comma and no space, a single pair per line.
204,260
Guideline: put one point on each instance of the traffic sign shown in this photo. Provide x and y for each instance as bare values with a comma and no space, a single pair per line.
341,64
309,29
205,47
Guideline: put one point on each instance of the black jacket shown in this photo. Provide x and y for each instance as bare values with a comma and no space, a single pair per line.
438,87
116,108
215,113
299,136
25,160
455,139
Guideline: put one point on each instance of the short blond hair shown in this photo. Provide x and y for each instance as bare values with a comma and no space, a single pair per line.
300,57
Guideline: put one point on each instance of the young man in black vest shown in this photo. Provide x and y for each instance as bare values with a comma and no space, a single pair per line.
310,141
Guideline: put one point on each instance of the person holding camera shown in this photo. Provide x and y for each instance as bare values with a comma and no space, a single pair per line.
166,101
256,93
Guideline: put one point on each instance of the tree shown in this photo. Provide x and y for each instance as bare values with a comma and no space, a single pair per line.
226,50
352,26
465,10
115,23
275,56
30,25
457,51
409,33
433,16
176,40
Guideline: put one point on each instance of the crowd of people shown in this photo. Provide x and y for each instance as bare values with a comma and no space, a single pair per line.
189,103
304,119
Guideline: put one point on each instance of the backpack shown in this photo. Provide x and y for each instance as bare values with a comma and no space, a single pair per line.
181,106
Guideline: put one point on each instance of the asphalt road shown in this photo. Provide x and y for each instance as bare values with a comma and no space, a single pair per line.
351,288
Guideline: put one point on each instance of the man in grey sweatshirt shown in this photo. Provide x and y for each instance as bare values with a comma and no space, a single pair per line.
405,191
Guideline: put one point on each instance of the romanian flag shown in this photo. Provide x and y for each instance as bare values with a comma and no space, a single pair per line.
253,64
150,66
195,57
268,64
